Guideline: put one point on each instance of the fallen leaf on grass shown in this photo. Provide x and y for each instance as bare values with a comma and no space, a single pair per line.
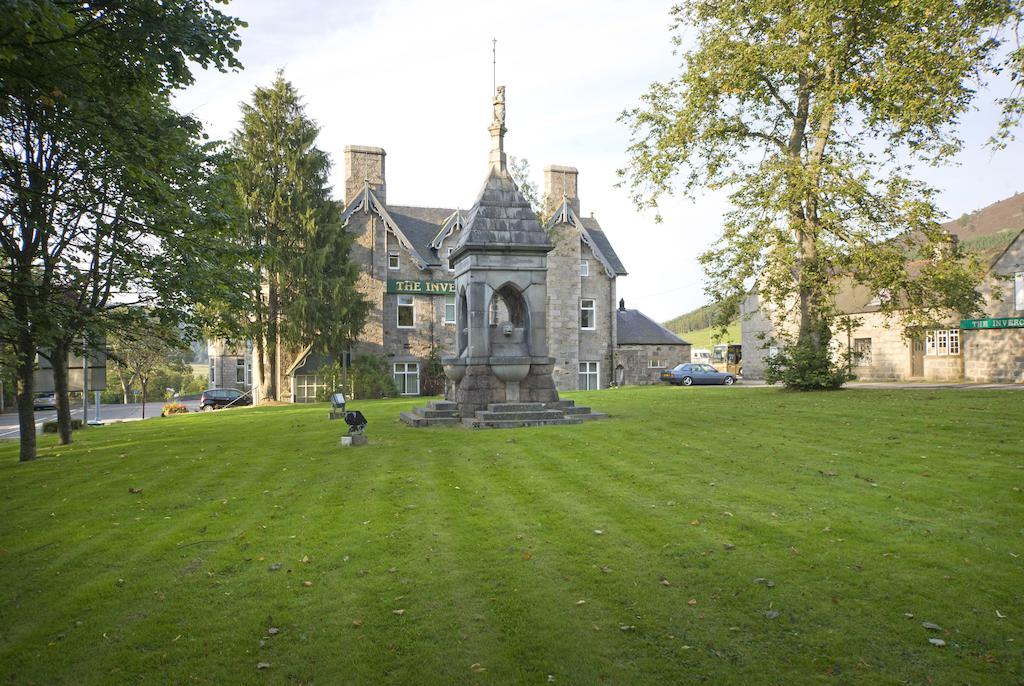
357,623
931,625
598,532
581,602
305,559
771,614
262,665
307,584
527,555
728,546
665,582
627,627
937,642
398,612
132,489
1000,615
273,631
691,601
477,667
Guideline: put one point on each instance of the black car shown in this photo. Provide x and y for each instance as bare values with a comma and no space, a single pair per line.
216,398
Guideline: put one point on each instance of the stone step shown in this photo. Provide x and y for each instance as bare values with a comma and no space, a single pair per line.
526,415
443,405
587,416
516,423
417,420
560,404
517,407
431,413
575,410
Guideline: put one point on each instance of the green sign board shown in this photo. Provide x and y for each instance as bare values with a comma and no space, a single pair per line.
1002,323
409,287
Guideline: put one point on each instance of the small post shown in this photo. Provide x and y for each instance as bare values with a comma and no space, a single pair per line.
96,416
85,382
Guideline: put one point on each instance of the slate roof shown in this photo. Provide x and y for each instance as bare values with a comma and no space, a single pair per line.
420,225
636,328
501,216
601,241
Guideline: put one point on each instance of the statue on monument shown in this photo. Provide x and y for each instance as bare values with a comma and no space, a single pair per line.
499,107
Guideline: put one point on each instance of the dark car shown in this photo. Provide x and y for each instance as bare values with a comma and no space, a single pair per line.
701,374
216,398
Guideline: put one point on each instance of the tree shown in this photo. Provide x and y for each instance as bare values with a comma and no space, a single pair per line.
96,164
806,112
146,352
289,223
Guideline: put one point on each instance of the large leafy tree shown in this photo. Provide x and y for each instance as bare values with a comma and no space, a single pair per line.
810,113
290,224
98,170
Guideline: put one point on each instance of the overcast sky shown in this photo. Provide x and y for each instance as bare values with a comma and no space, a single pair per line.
414,77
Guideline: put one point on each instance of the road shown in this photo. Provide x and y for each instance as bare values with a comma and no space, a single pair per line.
108,413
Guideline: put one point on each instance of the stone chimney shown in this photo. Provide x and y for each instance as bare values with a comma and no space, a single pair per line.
363,163
558,182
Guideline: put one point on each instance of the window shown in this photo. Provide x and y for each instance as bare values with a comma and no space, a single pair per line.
240,370
213,372
942,342
1018,291
406,310
584,268
393,259
407,377
655,364
449,309
862,352
588,314
451,267
589,376
308,387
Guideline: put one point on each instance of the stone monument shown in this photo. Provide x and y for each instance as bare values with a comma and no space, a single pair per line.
501,372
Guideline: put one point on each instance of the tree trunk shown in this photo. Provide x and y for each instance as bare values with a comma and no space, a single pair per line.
25,351
145,384
273,339
59,362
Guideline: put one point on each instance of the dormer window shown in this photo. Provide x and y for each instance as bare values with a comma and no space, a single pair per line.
884,296
393,260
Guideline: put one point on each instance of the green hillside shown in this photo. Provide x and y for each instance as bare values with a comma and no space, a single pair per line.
709,335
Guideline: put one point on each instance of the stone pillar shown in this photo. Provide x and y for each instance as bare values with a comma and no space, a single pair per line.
560,182
363,163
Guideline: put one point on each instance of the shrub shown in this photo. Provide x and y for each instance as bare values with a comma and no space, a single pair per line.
369,377
801,367
173,408
433,378
50,427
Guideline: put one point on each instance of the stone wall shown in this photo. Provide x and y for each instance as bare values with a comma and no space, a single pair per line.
754,323
633,362
564,335
997,355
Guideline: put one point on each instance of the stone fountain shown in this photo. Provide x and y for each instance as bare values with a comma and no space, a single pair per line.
501,372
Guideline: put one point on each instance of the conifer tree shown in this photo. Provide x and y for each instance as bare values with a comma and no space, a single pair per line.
292,226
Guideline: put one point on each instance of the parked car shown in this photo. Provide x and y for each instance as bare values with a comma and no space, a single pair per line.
216,398
701,374
45,401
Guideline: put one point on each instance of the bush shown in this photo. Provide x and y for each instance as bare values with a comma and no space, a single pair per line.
801,367
50,427
433,378
173,408
369,377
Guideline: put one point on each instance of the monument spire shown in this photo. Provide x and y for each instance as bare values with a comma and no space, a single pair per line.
497,129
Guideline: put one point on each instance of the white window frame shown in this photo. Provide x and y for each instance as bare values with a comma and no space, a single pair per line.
449,306
655,364
304,383
403,372
1018,291
589,373
240,366
213,371
394,260
942,342
584,268
403,301
592,309
451,267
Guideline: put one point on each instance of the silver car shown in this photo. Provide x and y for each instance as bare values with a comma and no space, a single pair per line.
696,374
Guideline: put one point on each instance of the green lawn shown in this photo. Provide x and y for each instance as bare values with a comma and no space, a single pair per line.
618,552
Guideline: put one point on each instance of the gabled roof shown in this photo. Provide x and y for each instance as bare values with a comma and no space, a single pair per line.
592,234
414,236
636,328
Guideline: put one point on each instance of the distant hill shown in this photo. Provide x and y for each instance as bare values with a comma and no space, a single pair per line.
1005,215
697,327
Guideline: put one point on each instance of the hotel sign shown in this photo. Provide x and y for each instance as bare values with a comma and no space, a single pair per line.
409,287
1001,323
